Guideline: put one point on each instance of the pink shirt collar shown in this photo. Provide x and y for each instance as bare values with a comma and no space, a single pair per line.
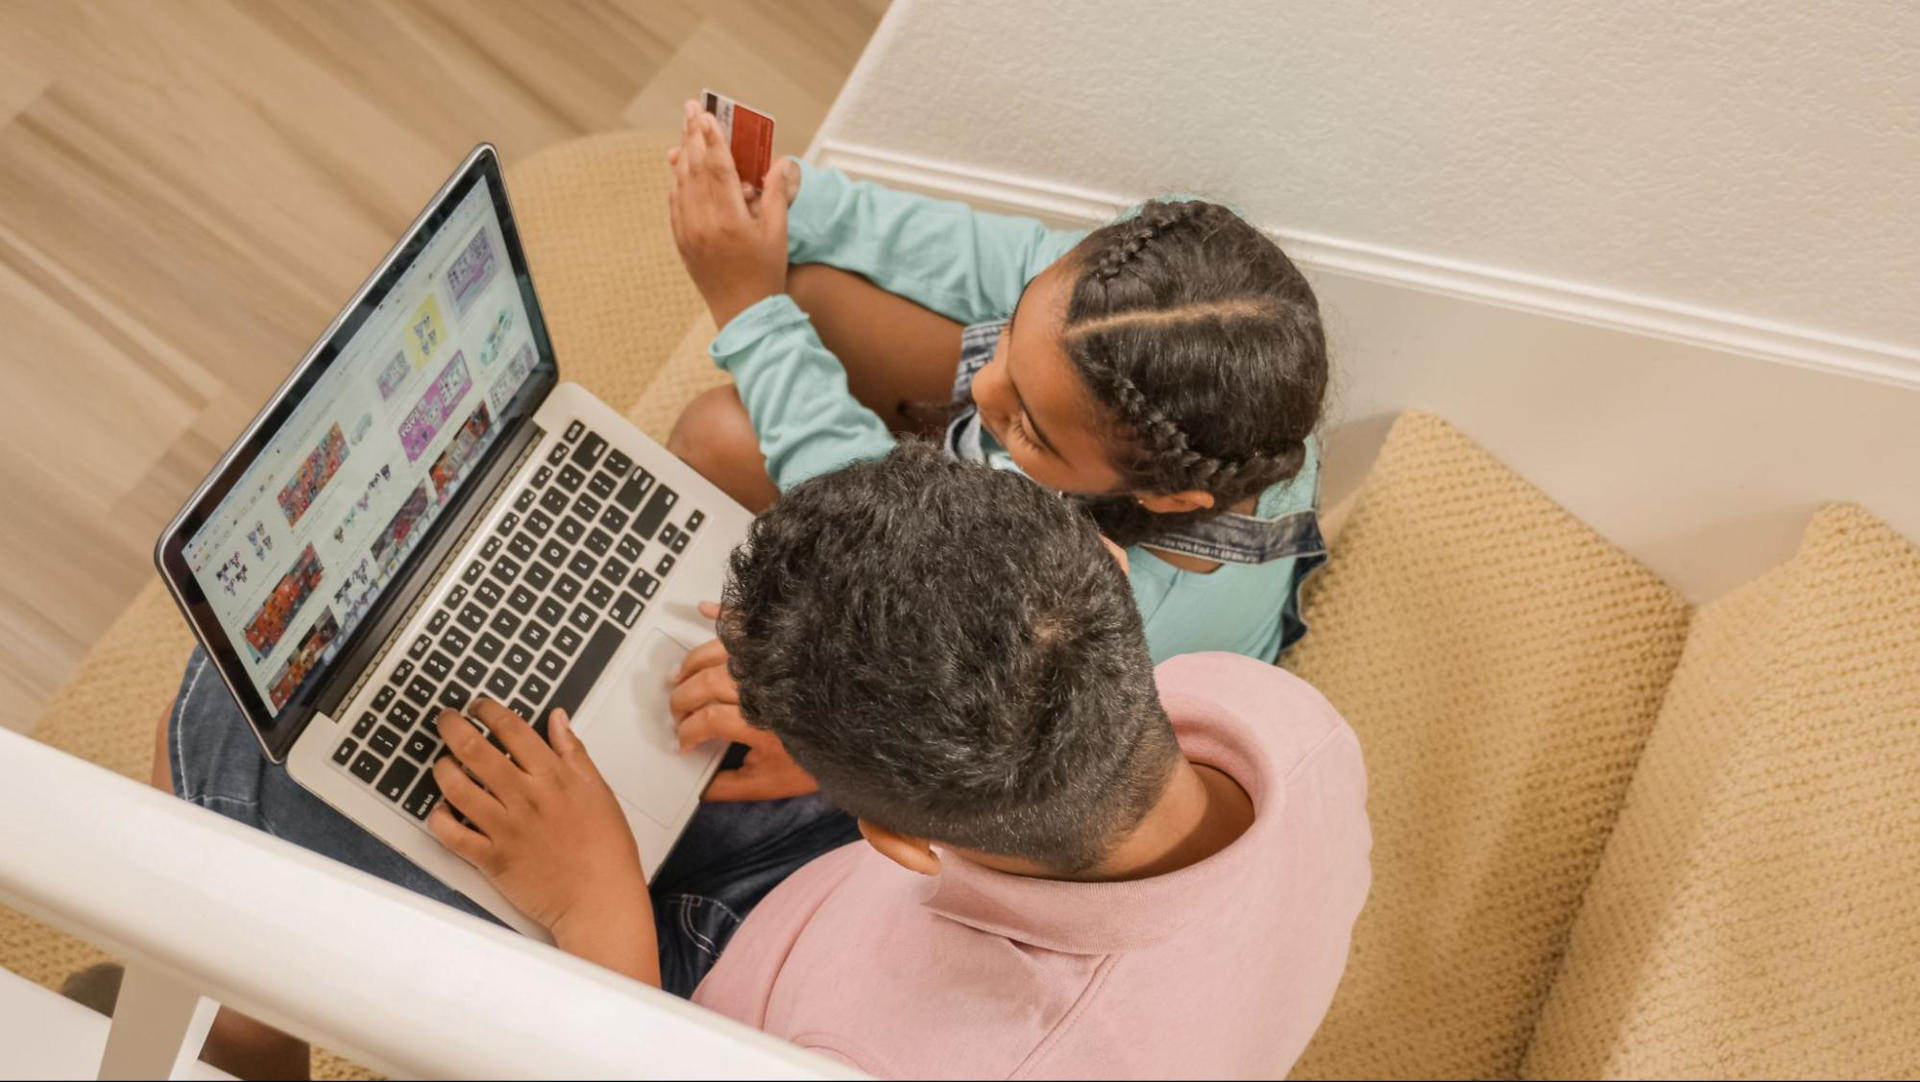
1107,918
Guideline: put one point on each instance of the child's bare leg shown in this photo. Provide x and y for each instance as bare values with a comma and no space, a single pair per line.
897,354
236,1044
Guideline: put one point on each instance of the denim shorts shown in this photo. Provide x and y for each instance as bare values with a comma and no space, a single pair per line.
730,856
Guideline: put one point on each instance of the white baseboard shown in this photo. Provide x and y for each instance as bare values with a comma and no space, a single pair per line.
1732,332
1699,441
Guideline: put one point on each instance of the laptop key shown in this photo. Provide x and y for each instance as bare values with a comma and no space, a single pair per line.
523,708
437,666
473,572
366,767
365,725
344,753
694,520
506,524
424,796
501,684
582,564
626,609
455,596
551,611
535,688
566,587
554,502
518,658
644,583
455,641
520,600
534,634
570,478
402,716
506,569
668,533
521,547
574,430
634,490
488,593
438,621
401,672
551,665
557,455
489,647
586,507
679,543
665,565
598,594
588,453
613,518
420,747
455,697
538,523
399,775
554,553
421,690
618,462
538,575
602,484
383,698
383,740
586,669
473,617
472,670
490,548
504,624
570,530
567,640
599,542
582,618
655,512
613,571
629,548
525,500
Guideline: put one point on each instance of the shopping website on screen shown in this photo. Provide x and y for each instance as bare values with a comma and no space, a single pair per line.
298,551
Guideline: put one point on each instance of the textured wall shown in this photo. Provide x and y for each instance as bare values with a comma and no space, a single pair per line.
1760,157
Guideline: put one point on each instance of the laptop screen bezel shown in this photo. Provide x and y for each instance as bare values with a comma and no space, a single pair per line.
278,730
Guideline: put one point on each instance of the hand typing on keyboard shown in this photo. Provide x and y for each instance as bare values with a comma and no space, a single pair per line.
706,706
548,832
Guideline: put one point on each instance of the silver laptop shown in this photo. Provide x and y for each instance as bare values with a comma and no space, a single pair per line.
424,513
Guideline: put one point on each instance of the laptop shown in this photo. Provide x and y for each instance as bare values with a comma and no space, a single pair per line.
424,513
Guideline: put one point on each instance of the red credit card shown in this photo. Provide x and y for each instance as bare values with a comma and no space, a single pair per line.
748,132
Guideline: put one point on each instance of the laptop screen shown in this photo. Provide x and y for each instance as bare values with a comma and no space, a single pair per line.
341,493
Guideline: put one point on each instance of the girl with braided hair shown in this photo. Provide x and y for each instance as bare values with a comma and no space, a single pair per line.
1166,370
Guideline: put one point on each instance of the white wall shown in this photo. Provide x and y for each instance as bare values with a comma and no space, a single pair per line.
1759,157
1661,258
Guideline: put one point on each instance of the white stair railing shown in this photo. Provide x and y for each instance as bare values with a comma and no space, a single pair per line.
204,911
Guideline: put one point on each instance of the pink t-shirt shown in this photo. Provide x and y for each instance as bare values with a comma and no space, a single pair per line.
1223,968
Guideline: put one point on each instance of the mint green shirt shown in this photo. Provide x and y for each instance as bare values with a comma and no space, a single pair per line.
970,267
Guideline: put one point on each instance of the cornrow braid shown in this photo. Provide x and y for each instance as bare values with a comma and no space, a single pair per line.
1203,342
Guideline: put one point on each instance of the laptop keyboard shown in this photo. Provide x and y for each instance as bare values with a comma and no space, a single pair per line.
535,616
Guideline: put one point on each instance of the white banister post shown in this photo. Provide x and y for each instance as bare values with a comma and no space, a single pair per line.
159,1026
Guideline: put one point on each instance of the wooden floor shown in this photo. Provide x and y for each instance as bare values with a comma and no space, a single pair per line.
190,188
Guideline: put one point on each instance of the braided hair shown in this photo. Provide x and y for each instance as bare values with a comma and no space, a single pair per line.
1203,341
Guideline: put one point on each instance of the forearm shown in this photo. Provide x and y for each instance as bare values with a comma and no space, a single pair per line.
617,933
796,395
966,265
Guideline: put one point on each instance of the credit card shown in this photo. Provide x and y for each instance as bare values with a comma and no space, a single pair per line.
748,132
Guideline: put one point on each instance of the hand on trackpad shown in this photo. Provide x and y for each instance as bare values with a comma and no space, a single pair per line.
631,734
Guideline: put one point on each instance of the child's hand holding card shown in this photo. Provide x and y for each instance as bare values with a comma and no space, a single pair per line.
747,131
734,245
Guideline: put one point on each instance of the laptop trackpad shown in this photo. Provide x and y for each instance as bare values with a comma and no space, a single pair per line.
631,737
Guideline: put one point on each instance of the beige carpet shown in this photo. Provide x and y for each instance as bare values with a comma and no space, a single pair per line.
1755,915
1501,664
